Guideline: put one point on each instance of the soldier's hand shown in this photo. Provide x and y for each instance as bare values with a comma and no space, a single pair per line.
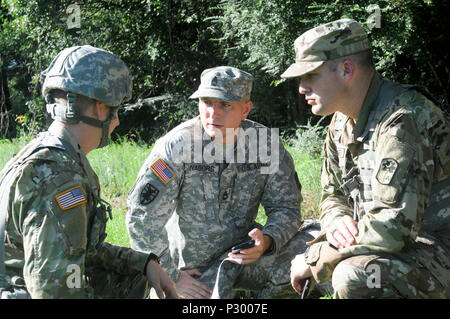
190,288
300,271
160,281
251,255
344,232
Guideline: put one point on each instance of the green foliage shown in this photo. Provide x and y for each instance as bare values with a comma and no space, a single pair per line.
165,44
306,149
118,164
258,36
153,117
168,43
8,148
309,139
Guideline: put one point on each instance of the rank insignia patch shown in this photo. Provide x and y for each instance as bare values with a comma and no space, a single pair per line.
163,171
71,198
148,194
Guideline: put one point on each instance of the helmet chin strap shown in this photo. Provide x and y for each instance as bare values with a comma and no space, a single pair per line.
104,125
68,114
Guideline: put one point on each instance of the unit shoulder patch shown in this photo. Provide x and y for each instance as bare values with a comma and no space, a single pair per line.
148,194
386,170
71,198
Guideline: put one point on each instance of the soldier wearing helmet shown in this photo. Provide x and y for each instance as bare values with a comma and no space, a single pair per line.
385,213
53,219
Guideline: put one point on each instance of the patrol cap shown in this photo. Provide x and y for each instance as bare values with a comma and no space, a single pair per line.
89,71
224,83
326,42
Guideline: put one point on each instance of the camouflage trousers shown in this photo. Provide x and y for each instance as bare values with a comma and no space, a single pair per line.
384,276
269,277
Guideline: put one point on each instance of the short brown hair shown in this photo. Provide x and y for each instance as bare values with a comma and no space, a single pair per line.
363,59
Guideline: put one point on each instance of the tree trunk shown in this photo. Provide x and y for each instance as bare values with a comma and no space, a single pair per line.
6,123
299,105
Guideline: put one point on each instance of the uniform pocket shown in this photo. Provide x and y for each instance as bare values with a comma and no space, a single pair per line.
73,226
71,220
97,230
435,257
197,196
245,201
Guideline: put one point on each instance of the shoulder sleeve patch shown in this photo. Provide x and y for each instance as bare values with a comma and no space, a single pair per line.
393,169
386,170
148,194
71,198
163,171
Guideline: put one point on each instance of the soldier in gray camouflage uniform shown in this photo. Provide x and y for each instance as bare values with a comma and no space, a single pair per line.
50,199
385,208
199,191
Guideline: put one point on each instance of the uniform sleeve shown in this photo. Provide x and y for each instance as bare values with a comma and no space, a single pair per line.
406,166
281,200
122,260
54,234
152,201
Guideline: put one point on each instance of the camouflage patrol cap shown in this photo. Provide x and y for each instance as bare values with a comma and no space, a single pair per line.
326,42
89,71
224,83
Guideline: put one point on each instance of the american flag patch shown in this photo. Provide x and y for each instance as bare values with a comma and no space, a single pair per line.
71,198
162,170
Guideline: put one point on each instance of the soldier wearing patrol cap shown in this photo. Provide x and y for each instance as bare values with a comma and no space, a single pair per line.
53,219
385,212
190,206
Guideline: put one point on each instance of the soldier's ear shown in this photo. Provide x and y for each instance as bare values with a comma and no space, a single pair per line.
101,111
246,109
348,70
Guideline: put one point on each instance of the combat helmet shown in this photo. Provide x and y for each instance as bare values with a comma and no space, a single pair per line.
92,72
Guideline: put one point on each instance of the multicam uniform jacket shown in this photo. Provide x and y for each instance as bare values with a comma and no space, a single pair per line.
381,171
56,220
189,209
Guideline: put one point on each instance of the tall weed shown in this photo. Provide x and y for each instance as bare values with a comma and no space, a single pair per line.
117,166
9,148
307,150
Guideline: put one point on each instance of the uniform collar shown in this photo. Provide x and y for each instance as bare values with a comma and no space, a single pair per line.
60,131
368,105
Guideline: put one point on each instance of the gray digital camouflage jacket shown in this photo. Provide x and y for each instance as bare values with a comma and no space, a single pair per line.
185,209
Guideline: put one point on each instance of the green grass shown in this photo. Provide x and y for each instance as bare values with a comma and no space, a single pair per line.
9,148
118,164
308,171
